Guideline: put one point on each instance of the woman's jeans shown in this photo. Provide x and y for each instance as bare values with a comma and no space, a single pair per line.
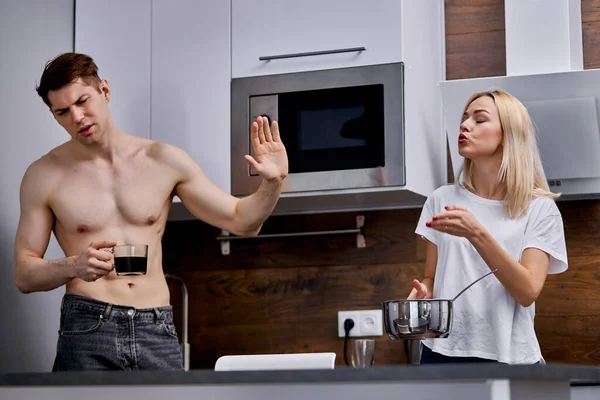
430,357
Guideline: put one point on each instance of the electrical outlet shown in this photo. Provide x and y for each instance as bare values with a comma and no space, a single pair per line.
371,323
366,323
342,316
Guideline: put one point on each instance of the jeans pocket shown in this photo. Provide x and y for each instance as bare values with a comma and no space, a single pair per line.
80,322
170,329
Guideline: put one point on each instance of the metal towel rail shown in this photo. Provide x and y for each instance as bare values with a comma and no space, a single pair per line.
225,236
185,346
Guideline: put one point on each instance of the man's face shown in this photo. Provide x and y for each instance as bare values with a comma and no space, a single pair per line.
81,109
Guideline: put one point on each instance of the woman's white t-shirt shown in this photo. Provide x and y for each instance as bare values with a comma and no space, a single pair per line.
487,321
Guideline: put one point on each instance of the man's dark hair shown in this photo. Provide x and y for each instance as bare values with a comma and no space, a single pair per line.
65,69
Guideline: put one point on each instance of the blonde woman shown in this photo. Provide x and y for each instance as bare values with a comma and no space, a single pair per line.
499,215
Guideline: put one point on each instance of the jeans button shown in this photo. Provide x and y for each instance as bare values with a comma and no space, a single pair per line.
130,312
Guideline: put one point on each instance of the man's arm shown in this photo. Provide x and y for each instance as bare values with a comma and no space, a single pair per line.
208,202
31,272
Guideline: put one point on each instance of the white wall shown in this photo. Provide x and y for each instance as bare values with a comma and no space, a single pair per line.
31,33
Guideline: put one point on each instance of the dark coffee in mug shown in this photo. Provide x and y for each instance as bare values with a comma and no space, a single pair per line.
131,259
131,265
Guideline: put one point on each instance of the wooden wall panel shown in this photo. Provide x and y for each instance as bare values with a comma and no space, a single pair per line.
591,40
473,16
282,295
288,309
475,40
590,12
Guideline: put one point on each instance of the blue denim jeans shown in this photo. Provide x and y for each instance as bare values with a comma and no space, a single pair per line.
94,335
430,357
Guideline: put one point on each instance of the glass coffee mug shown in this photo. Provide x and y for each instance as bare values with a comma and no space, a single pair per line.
363,353
131,259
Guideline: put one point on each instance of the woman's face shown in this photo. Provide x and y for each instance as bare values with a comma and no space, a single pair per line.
480,130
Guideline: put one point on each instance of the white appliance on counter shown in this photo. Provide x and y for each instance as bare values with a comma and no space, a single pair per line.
266,362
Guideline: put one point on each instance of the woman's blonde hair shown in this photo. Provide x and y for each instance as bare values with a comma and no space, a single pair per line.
521,174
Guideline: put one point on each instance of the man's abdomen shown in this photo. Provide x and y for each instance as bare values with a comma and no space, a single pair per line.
144,291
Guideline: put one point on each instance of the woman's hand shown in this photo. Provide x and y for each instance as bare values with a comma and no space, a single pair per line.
419,291
457,221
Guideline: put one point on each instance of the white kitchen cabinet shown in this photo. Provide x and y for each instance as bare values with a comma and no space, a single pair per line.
168,63
116,34
274,27
190,96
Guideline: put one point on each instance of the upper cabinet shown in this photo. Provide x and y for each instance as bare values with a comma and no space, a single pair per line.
116,34
190,81
169,66
317,34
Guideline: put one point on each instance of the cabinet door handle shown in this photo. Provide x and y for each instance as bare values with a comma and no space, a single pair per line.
312,53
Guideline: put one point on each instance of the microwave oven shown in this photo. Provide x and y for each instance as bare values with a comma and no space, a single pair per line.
342,128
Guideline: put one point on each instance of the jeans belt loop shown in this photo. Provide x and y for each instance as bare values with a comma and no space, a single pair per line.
106,312
159,316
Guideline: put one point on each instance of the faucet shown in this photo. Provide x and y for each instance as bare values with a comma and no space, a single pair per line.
185,346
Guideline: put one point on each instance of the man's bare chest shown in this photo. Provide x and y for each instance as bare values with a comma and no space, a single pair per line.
89,201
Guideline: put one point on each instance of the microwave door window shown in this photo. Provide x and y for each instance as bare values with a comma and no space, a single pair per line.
333,129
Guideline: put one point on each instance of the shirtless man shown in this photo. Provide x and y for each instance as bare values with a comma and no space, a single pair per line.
105,187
